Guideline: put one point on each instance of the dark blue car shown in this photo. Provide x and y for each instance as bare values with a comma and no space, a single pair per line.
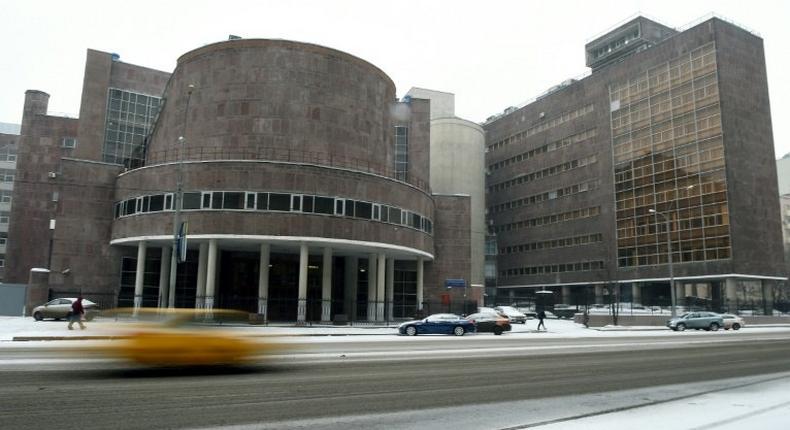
438,324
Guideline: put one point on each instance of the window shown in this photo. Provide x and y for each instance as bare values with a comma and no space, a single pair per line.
157,203
216,200
324,205
339,203
206,201
349,207
169,201
376,212
363,210
401,153
263,201
129,118
279,202
395,215
233,200
68,142
4,217
296,203
191,201
307,204
250,201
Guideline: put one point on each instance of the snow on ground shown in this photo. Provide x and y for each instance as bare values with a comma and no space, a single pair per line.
11,327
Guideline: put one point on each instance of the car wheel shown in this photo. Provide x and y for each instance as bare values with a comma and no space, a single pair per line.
497,330
459,331
37,316
681,327
714,327
411,331
736,326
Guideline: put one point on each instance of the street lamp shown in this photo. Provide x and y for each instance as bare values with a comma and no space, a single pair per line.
672,294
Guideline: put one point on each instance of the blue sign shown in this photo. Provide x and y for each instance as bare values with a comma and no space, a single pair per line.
455,283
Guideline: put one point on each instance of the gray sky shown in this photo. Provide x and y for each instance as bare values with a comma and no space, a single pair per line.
491,54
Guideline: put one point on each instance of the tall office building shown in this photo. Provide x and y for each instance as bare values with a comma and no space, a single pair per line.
667,143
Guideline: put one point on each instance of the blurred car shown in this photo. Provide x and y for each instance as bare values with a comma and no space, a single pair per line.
513,314
733,322
565,311
60,309
180,337
489,322
438,324
697,320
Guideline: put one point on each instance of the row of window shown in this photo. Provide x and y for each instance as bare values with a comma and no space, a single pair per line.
4,216
583,266
5,196
8,152
698,255
696,153
550,219
543,126
545,196
633,34
7,175
564,242
549,171
553,146
276,202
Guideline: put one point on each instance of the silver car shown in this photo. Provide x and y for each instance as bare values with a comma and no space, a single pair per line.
697,320
60,308
733,322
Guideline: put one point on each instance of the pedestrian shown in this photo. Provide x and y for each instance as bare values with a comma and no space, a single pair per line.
541,316
77,314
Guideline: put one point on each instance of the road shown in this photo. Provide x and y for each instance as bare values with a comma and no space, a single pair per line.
325,381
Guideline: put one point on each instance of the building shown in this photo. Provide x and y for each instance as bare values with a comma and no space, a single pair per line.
8,145
670,135
302,186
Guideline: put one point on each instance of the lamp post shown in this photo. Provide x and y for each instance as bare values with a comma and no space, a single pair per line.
672,294
177,198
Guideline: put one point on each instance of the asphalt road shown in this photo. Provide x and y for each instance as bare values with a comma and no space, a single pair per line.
321,381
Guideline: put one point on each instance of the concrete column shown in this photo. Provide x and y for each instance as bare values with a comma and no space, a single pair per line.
599,294
381,275
139,275
566,294
420,272
768,296
326,286
680,291
390,288
703,290
301,309
164,277
211,277
351,277
200,296
263,283
372,274
636,293
690,290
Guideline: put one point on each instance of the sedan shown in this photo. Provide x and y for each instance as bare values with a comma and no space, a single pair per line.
438,324
697,320
512,313
733,322
490,322
60,309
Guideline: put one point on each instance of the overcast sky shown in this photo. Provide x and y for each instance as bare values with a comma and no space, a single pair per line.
491,54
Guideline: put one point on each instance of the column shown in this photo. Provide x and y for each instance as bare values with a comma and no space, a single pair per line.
599,294
301,309
390,289
372,287
351,276
164,277
420,272
680,293
689,290
211,277
139,275
263,282
200,296
511,296
566,294
381,271
636,293
326,286
768,296
731,293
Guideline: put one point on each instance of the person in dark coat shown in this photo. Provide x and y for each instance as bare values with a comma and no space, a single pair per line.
77,314
541,317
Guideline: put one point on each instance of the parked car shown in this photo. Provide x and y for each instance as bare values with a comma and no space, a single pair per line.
60,308
513,314
565,311
733,322
489,322
438,324
697,320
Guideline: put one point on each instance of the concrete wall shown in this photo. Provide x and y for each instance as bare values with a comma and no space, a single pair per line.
442,103
452,243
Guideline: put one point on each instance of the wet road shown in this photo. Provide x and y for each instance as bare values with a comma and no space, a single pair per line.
336,378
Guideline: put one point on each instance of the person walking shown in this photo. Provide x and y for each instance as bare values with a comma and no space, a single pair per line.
541,317
77,314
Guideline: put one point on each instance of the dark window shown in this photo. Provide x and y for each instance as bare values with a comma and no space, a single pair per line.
216,200
307,203
263,201
363,210
191,201
280,202
296,203
323,205
206,201
376,211
250,201
339,207
129,206
395,215
233,201
385,213
157,203
117,210
349,208
414,220
169,201
146,204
